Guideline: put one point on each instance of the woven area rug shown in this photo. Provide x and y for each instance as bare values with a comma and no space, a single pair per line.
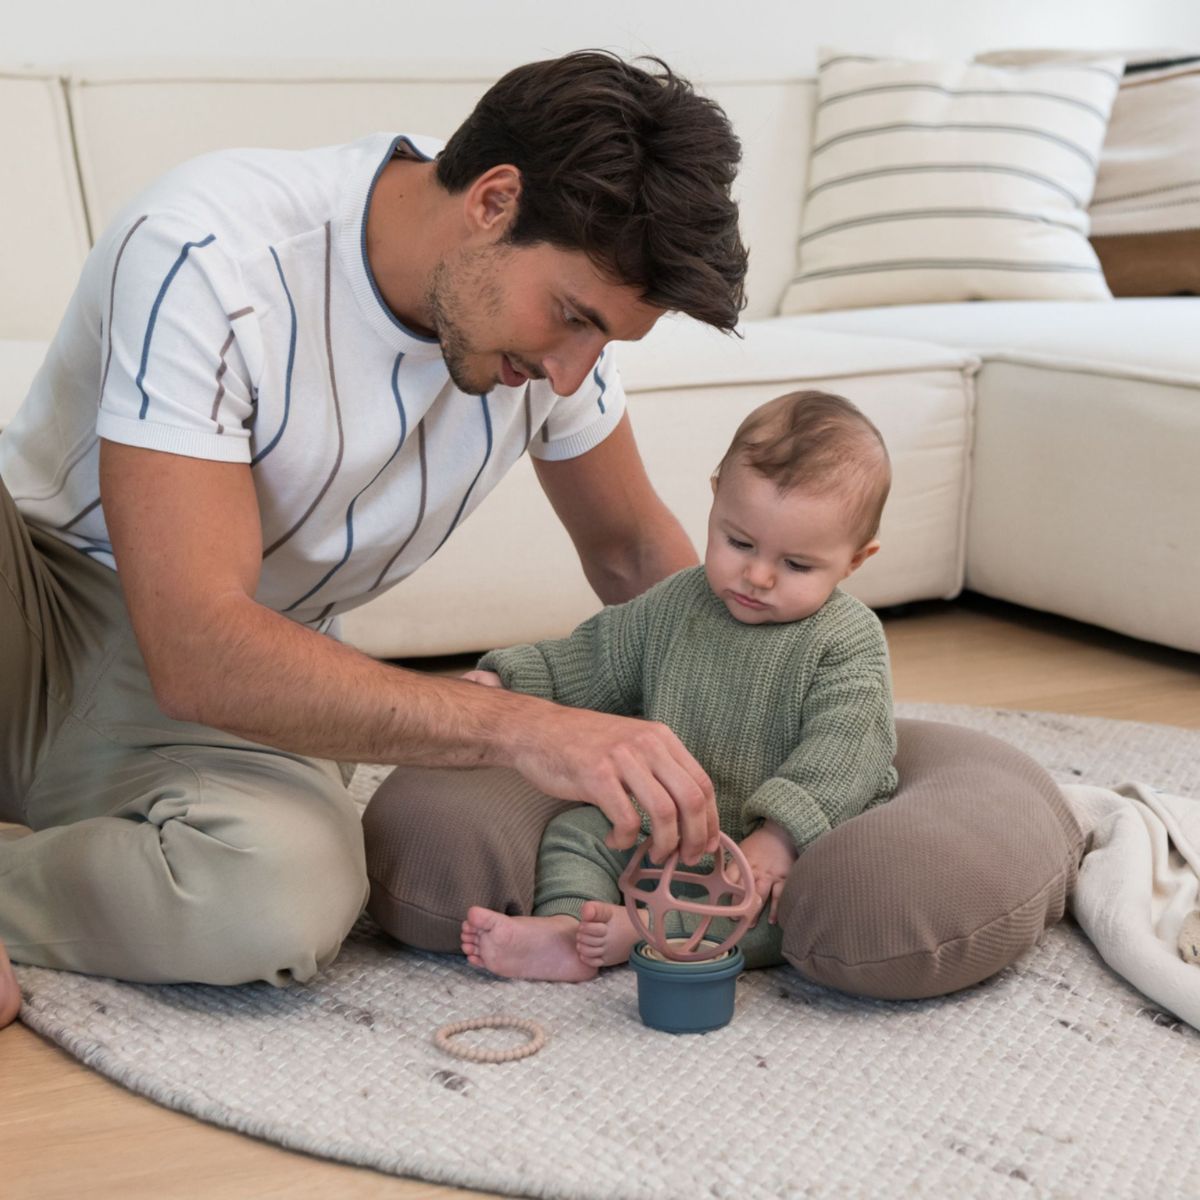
1053,1079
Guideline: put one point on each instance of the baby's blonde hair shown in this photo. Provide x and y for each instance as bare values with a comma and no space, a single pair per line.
819,443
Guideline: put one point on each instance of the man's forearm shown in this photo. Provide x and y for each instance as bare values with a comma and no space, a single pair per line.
267,679
253,672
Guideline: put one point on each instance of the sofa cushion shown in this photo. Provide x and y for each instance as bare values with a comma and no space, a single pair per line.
1084,487
1145,215
1085,493
1147,179
1148,169
43,232
942,181
681,352
1152,334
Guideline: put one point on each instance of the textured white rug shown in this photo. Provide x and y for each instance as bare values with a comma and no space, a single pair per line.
1054,1079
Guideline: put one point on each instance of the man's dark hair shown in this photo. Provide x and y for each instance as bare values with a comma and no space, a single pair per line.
631,167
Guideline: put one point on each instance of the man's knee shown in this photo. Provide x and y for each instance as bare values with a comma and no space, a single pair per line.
944,885
276,905
438,841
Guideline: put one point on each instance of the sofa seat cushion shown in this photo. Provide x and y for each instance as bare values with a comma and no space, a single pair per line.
1084,490
680,352
1156,335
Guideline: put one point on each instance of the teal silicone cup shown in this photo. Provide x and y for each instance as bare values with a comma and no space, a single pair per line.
686,997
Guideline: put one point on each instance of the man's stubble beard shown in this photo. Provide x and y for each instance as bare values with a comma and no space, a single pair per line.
472,276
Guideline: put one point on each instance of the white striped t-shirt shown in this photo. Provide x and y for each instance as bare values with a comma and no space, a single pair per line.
229,313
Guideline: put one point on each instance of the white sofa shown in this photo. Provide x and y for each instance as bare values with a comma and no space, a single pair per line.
1044,453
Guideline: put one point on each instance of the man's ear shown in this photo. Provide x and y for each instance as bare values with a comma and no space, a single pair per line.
861,555
490,204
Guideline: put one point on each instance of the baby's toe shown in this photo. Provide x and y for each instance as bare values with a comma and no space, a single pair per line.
595,911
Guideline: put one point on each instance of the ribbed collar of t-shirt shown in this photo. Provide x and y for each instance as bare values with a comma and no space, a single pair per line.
351,238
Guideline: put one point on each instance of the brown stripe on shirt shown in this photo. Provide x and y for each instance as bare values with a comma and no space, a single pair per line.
221,369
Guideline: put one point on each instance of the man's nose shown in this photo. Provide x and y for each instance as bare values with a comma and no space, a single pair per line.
568,369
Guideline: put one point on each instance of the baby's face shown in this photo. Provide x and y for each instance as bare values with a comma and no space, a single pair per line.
774,557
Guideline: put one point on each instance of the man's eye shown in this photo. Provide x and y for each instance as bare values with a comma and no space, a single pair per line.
737,544
569,318
803,568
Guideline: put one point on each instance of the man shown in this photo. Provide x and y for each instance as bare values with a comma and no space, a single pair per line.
310,368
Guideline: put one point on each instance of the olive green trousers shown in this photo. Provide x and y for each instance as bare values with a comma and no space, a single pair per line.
146,848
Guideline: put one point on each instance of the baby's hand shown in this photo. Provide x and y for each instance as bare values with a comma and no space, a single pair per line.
487,678
770,852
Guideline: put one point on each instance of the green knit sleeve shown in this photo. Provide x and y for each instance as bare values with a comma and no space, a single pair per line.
842,764
598,666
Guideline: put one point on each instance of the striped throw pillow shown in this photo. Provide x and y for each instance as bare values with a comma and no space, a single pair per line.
1145,212
1148,181
937,182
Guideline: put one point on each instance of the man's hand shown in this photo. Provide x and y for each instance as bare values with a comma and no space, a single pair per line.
770,852
605,760
487,678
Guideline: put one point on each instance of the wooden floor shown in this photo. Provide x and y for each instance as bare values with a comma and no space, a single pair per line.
67,1132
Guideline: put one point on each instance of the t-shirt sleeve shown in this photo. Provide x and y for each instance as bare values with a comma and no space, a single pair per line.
581,421
173,375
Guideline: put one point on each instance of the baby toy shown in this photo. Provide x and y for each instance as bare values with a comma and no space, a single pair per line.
686,984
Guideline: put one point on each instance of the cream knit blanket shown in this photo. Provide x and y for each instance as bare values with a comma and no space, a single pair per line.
1138,882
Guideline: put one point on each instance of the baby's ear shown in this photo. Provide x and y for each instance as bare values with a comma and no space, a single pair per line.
861,555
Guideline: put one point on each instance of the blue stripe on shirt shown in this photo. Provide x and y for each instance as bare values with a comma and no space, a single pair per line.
487,454
162,291
603,385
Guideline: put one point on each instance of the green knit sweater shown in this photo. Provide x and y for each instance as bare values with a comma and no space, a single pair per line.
792,722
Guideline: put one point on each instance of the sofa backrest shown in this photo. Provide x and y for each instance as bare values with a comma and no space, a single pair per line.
43,228
131,126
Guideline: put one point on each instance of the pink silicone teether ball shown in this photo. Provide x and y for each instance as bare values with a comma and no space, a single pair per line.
742,907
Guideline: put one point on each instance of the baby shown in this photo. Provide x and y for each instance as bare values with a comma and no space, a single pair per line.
776,682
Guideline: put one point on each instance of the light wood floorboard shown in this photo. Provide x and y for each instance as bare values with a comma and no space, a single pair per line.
67,1132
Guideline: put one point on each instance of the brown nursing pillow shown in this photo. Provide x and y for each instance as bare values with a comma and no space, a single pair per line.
950,881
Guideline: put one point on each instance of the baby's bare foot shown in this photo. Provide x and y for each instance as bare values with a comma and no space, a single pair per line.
10,993
524,947
606,936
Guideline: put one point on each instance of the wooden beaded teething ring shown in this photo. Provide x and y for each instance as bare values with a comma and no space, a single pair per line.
537,1039
742,908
